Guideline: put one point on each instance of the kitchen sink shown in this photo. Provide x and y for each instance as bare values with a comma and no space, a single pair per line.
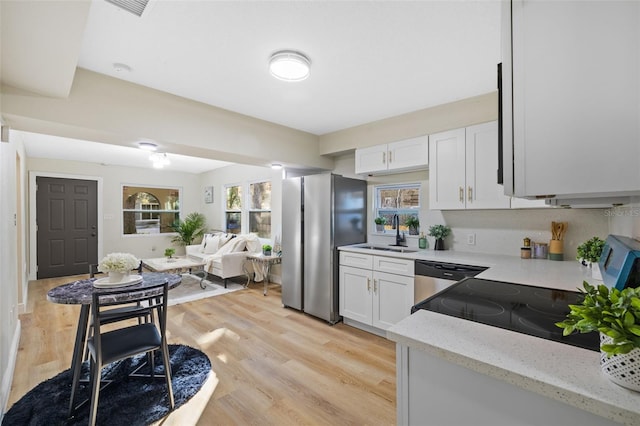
398,249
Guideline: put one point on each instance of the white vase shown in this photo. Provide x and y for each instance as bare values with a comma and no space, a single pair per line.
116,277
624,369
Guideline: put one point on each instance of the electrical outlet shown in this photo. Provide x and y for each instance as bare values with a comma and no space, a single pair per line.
471,239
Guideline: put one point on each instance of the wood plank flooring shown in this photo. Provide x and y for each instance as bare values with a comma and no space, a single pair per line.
271,365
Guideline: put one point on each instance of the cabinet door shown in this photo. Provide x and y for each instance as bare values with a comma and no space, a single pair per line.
372,159
576,101
447,170
392,299
356,289
482,190
409,154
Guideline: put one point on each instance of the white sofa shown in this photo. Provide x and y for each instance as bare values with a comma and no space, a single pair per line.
224,255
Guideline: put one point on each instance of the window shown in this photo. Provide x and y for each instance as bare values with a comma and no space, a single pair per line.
255,209
260,209
149,210
403,200
233,212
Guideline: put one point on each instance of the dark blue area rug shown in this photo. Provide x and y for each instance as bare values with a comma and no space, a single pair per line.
126,401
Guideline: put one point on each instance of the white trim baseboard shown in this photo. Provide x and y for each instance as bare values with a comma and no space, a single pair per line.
7,376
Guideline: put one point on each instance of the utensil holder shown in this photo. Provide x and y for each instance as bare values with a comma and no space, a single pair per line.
556,250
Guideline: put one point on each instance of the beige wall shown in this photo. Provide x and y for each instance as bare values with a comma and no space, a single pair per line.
478,109
111,179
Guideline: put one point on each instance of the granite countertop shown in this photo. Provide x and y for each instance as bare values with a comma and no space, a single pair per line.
562,372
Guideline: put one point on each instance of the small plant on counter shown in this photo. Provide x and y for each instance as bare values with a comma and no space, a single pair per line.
413,223
590,251
439,231
611,312
266,250
380,220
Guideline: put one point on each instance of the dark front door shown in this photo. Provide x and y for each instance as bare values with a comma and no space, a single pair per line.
67,223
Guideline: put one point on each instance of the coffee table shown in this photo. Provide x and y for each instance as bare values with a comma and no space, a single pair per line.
174,265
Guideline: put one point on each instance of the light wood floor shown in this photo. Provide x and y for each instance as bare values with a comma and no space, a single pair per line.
271,365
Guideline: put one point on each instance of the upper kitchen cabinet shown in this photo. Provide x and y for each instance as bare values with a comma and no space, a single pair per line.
463,169
400,156
571,99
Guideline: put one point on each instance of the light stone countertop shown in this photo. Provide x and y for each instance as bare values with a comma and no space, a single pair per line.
562,372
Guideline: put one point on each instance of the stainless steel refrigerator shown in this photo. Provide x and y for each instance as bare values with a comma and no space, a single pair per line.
319,213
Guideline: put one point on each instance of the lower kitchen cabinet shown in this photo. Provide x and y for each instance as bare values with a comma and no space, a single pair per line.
374,300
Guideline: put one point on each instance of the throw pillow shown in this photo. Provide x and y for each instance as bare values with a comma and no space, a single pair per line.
212,245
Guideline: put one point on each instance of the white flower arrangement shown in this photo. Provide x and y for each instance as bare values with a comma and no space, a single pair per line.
118,262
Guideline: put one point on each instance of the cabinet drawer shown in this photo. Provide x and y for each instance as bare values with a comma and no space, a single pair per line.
357,260
394,265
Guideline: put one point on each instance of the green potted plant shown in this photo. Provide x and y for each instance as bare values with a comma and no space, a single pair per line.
413,223
588,253
615,314
192,227
439,232
266,249
380,221
169,252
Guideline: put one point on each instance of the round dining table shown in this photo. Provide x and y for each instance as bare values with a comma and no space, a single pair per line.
81,292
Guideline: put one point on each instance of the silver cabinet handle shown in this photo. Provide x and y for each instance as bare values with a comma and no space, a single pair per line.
390,158
375,286
461,189
368,284
470,193
384,158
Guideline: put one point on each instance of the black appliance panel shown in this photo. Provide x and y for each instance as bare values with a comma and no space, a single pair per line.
517,307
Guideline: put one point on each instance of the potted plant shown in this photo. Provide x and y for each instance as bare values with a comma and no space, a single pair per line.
615,314
413,223
169,252
118,265
266,250
192,227
439,232
588,253
380,221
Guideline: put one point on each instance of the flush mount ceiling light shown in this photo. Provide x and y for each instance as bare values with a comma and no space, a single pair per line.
276,166
118,67
289,65
159,160
147,146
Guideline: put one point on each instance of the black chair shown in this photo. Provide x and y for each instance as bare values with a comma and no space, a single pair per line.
116,344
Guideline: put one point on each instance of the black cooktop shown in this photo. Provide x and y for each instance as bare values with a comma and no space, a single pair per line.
516,307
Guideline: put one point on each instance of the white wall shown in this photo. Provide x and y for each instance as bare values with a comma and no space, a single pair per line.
109,214
10,278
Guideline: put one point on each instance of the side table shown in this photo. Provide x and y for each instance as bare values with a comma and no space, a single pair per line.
264,263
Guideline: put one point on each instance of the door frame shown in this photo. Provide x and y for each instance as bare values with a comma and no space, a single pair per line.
33,233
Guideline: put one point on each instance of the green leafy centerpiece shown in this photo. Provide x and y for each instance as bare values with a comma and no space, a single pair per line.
588,253
615,314
439,232
380,222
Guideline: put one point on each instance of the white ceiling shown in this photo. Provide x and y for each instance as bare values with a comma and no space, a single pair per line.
370,59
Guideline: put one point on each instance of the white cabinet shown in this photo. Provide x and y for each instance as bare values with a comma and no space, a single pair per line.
463,172
405,155
571,69
371,297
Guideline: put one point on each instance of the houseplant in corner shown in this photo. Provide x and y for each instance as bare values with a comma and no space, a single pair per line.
439,232
380,221
588,253
192,227
413,223
615,314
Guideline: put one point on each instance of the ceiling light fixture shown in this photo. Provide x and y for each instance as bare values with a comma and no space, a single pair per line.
147,146
159,159
276,166
289,65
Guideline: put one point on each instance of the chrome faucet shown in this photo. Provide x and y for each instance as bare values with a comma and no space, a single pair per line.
396,223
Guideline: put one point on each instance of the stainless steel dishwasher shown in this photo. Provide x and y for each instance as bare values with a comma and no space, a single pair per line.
432,277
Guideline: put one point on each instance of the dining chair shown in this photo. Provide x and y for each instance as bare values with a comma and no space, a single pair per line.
115,344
